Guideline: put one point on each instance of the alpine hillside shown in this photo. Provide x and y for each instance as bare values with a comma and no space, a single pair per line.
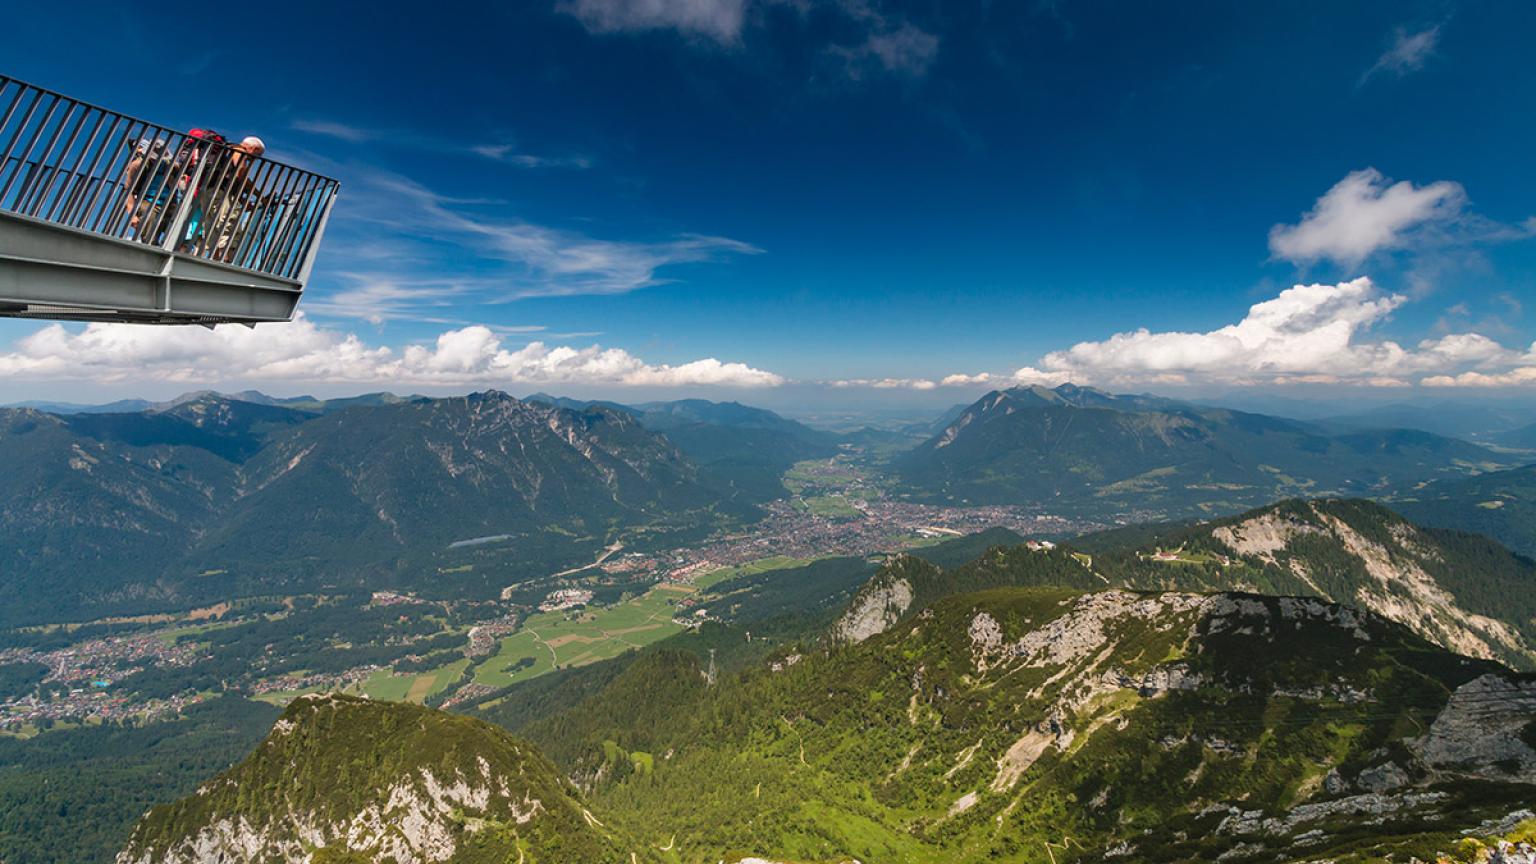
1500,504
1088,452
341,779
1462,591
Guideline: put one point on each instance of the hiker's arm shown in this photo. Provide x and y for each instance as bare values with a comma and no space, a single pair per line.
130,173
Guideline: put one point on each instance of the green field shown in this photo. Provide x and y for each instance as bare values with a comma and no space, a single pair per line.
551,639
412,686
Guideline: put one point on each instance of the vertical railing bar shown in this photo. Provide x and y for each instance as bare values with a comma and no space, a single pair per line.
289,226
211,196
292,226
231,200
67,173
111,147
269,257
169,209
178,227
317,208
278,226
117,216
107,217
253,226
271,226
318,236
27,153
21,127
314,201
106,147
74,170
10,112
308,199
39,192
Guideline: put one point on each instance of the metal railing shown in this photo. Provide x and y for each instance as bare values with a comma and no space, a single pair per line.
81,166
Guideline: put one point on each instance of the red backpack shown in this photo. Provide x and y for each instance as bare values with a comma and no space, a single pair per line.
207,136
201,143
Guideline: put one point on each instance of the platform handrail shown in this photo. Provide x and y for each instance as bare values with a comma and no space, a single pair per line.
78,165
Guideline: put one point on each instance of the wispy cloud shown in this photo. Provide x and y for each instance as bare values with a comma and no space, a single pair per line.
401,250
509,153
304,351
497,151
719,21
330,129
1408,53
890,43
868,38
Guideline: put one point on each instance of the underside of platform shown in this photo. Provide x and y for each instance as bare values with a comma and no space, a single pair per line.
55,272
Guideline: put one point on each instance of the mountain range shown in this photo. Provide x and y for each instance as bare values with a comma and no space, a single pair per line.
209,497
1084,451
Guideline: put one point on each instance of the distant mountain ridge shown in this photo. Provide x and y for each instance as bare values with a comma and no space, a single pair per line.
106,513
1093,453
742,451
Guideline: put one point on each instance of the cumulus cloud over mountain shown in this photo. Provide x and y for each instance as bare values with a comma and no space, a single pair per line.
308,352
1315,333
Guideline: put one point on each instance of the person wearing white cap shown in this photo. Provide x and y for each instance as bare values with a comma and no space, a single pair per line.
235,193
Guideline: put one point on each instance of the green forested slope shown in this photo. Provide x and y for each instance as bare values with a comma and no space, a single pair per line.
994,724
380,781
71,796
1499,504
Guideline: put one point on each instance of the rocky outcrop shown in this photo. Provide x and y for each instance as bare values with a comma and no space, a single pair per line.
873,611
883,600
341,778
1391,570
1485,731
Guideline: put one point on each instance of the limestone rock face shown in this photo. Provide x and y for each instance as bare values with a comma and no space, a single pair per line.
1481,731
882,601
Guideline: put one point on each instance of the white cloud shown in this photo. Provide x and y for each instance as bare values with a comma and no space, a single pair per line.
304,351
1365,213
1029,375
1521,373
1408,53
887,383
717,20
1521,376
1307,334
962,380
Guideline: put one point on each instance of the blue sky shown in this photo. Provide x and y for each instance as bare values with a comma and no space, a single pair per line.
729,196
